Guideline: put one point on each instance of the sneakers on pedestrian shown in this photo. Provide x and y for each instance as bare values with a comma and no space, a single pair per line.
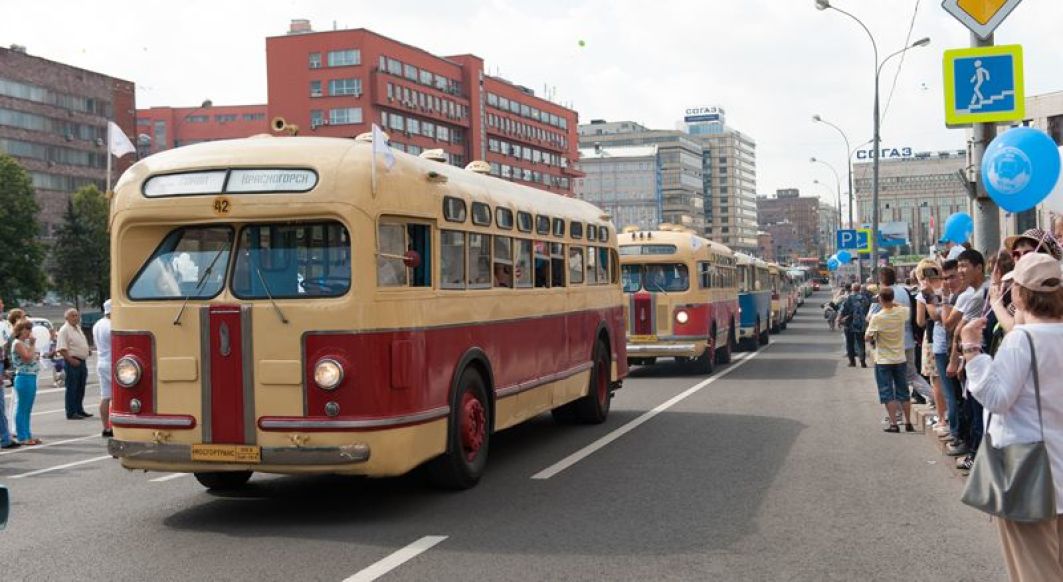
957,450
965,463
11,445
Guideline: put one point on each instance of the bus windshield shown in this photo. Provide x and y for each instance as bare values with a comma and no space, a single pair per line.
292,260
670,277
190,262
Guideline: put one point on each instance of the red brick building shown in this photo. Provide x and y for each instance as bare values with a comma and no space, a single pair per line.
337,83
53,120
162,128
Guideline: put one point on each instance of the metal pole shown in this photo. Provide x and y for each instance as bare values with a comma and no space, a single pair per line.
986,213
874,186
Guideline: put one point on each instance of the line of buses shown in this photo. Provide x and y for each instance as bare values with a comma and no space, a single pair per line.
297,305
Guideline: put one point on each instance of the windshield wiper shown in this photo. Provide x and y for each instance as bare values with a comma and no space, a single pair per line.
199,284
265,287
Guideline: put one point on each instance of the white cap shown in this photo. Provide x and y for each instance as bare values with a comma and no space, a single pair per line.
107,307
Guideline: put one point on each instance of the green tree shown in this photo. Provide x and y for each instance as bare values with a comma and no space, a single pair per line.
81,256
21,254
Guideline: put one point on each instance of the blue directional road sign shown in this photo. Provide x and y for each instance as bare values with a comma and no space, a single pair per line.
984,85
852,239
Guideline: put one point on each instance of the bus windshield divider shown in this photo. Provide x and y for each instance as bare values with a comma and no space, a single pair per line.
199,285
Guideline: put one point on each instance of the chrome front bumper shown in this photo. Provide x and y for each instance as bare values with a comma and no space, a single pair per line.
643,350
298,456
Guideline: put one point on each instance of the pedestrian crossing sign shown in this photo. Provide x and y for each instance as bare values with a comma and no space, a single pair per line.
983,85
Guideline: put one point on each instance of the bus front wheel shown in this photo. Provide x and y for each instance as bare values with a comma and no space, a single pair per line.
223,480
723,356
468,436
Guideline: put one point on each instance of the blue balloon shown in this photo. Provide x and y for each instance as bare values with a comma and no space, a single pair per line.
832,264
844,257
1020,167
958,228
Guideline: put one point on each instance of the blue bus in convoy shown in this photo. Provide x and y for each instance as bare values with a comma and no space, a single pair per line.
754,301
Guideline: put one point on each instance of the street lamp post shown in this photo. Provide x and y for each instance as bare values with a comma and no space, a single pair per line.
837,186
824,5
848,161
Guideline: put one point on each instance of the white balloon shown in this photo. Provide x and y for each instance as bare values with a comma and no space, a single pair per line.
1054,201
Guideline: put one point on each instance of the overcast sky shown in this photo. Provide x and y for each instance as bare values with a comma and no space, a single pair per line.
770,64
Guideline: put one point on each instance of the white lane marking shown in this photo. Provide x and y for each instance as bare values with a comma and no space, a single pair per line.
51,444
61,467
396,559
631,425
169,477
90,404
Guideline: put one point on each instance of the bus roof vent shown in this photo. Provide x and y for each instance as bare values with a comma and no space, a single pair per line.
666,226
479,167
436,155
367,137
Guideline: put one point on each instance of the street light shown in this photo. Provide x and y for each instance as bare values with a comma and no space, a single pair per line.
848,161
837,185
823,5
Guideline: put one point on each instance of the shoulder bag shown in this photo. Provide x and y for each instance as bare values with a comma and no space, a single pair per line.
1014,482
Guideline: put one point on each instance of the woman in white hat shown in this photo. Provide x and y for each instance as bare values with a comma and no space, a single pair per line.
1005,385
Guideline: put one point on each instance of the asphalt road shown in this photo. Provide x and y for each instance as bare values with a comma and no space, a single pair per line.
774,469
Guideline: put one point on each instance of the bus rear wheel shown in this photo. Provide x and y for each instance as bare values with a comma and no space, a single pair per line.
594,407
468,436
723,356
762,335
223,480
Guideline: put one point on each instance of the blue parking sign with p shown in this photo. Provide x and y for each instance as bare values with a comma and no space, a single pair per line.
852,239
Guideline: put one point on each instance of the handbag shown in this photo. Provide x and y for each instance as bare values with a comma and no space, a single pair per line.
1014,482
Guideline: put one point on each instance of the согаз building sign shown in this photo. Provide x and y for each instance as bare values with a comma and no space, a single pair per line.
884,153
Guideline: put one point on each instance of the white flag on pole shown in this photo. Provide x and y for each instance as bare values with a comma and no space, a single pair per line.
380,146
117,142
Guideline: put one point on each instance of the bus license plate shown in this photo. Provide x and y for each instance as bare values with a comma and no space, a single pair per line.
227,453
643,338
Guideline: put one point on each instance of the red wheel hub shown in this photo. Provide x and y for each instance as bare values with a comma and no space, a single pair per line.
473,425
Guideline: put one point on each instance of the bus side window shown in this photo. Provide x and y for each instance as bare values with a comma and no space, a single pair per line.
592,265
503,265
452,259
575,264
523,265
542,264
479,260
704,277
390,270
419,240
603,265
557,264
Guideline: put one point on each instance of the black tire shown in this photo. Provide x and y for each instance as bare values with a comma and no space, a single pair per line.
223,480
723,356
594,407
703,364
468,436
762,337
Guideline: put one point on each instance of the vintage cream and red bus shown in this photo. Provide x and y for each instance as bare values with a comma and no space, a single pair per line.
281,307
682,297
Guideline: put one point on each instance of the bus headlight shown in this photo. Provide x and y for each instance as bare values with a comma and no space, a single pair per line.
682,316
127,371
328,374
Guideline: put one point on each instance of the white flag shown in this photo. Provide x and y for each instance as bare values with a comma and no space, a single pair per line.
117,142
380,146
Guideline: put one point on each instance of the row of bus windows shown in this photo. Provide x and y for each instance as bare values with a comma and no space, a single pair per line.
674,277
470,260
454,210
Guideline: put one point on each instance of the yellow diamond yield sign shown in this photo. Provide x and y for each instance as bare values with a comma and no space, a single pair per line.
981,16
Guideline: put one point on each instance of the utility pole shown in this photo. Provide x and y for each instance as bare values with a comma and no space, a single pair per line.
986,212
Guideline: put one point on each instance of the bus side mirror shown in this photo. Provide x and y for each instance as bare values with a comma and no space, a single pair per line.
411,259
5,506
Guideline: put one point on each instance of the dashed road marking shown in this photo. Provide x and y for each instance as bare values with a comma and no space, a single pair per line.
396,559
169,477
50,444
60,467
631,425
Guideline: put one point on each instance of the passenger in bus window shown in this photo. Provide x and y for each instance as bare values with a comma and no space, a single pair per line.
503,275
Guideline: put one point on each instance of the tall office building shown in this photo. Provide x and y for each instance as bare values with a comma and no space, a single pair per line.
625,181
337,83
729,170
682,198
53,120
